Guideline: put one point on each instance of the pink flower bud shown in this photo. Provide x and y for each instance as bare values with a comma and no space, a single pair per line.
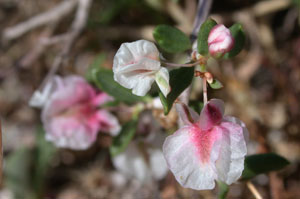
220,40
71,116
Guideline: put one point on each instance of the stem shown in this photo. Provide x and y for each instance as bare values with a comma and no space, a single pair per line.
253,190
182,65
1,157
204,90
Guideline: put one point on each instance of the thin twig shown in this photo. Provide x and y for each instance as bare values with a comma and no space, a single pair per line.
253,190
50,16
204,90
77,26
1,157
203,10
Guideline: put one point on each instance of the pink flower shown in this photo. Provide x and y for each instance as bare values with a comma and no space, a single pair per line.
71,116
220,40
208,148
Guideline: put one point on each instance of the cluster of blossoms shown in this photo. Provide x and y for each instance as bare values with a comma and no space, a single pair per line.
71,114
208,147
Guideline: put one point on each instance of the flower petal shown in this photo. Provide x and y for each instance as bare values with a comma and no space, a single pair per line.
240,123
187,115
69,133
108,122
230,163
132,164
157,162
162,79
211,114
183,151
135,65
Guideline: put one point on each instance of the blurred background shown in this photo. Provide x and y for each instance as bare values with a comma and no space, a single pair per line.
261,87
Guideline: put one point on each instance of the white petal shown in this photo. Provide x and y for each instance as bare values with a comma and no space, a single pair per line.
157,163
162,79
239,122
230,163
135,65
132,164
182,159
187,115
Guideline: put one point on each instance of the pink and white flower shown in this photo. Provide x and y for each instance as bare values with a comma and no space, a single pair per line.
71,116
208,147
220,40
136,66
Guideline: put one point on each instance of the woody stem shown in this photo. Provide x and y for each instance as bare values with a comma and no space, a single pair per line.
204,90
253,190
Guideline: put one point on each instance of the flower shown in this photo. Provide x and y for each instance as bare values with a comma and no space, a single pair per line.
207,148
143,161
136,66
71,116
220,40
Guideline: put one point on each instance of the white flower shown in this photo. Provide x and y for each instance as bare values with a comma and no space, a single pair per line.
136,66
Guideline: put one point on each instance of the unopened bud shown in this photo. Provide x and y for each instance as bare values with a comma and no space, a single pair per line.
220,41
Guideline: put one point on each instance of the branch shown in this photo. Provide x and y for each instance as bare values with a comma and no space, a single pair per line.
50,16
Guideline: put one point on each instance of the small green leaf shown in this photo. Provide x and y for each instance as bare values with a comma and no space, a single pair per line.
121,141
105,81
223,190
239,40
216,84
171,39
180,79
262,163
94,67
203,36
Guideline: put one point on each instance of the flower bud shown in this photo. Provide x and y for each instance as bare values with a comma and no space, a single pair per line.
220,41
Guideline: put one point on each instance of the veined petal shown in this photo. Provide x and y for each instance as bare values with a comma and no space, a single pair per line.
211,114
162,79
190,155
187,115
230,163
240,123
135,65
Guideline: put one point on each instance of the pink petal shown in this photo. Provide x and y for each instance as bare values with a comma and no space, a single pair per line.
108,122
68,132
101,98
186,114
191,154
230,163
211,114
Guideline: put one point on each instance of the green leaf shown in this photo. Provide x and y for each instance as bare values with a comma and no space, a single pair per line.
17,172
239,40
216,84
94,67
203,36
180,79
104,80
262,163
223,190
171,39
44,153
121,141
